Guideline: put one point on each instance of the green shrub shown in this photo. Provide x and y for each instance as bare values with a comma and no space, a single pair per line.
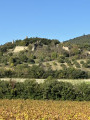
83,92
31,61
54,63
82,62
77,64
63,66
50,89
61,60
69,63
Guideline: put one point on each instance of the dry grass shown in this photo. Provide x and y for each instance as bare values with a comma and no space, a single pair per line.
54,67
73,81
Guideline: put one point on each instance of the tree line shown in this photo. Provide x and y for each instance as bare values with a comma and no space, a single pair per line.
51,89
23,71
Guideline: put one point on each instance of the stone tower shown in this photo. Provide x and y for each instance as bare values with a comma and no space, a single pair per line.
13,42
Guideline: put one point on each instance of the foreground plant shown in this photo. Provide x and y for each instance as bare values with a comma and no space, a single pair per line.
44,110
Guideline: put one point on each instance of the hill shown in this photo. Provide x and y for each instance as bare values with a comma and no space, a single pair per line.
41,57
85,39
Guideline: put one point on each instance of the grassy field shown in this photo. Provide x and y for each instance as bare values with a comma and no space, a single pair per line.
44,110
76,81
73,81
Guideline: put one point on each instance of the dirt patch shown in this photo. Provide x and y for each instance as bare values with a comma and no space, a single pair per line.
20,48
54,65
73,81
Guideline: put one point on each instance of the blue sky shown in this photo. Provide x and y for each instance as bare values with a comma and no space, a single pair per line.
54,19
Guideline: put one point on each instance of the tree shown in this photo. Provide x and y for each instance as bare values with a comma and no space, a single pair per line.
54,55
1,54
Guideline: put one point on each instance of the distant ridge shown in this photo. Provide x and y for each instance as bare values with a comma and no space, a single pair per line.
85,39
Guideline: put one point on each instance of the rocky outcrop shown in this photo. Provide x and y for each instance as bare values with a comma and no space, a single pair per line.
66,48
35,45
20,48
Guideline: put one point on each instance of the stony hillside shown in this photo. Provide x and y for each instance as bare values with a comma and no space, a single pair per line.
41,57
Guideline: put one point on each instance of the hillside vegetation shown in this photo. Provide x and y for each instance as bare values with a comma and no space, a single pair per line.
41,58
85,39
50,89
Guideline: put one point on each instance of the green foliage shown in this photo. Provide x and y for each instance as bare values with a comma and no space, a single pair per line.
36,72
7,46
50,89
60,60
31,56
31,61
30,47
72,73
54,63
85,39
75,50
83,42
63,66
47,58
83,92
76,64
6,73
1,54
23,70
69,63
28,41
54,55
14,61
47,50
10,54
82,62
87,64
23,58
65,53
20,43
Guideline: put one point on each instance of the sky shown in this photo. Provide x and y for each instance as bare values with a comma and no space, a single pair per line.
53,19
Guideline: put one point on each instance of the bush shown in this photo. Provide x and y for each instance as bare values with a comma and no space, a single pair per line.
31,61
82,62
50,89
83,92
72,73
87,64
63,66
54,63
54,55
69,63
60,60
77,64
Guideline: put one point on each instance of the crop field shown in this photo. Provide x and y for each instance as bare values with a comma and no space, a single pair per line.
44,110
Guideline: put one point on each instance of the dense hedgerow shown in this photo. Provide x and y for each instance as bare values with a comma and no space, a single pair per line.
23,71
50,89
